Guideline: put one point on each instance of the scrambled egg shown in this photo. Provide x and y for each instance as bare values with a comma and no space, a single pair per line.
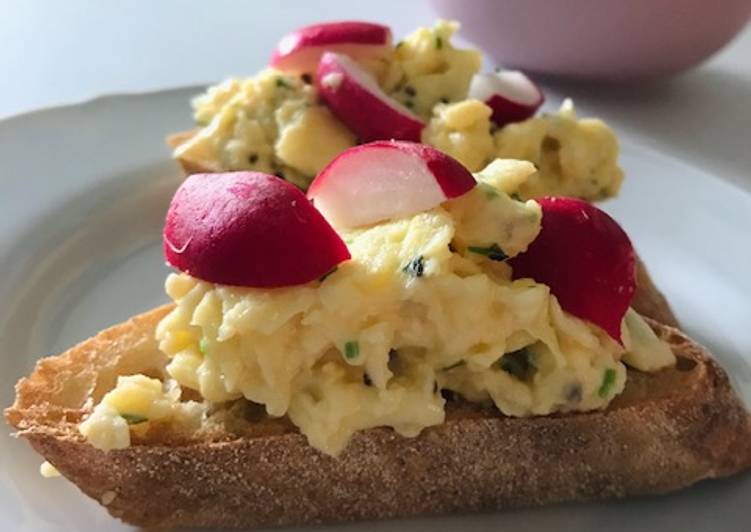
574,157
428,70
426,304
270,123
135,401
273,123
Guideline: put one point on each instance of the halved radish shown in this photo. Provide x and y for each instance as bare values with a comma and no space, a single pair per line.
585,258
386,179
300,51
248,229
511,95
354,96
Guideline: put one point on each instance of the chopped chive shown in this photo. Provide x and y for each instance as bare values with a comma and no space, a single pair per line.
490,192
134,419
415,267
325,275
438,42
444,99
573,392
493,252
281,82
351,350
399,45
203,346
550,144
253,158
454,365
409,104
306,78
516,197
608,380
518,363
410,91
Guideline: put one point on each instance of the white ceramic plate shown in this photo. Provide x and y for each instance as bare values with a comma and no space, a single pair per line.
83,190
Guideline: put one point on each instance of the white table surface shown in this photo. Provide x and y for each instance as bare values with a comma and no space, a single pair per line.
54,53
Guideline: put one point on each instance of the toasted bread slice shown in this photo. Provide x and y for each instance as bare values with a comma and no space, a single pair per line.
648,300
244,469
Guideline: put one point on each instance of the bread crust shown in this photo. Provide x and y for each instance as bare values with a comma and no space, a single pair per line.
648,300
666,431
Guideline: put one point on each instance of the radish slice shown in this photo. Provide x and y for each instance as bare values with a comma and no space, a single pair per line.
384,180
585,258
248,229
511,95
300,51
355,98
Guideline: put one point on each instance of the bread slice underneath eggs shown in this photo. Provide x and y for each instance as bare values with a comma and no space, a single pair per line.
241,468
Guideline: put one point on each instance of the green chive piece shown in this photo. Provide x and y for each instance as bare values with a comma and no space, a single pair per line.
454,365
325,275
493,252
573,392
516,197
351,350
409,104
134,419
438,42
518,363
203,345
608,380
410,91
416,267
281,82
490,192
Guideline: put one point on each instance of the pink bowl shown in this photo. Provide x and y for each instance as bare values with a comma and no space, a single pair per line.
622,39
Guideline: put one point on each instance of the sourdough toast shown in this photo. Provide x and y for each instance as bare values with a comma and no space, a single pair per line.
666,431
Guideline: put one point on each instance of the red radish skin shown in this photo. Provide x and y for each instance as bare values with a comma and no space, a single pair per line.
355,98
585,258
300,51
511,95
248,229
386,179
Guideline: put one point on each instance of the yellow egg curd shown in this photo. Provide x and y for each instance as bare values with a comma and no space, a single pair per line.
274,123
426,304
